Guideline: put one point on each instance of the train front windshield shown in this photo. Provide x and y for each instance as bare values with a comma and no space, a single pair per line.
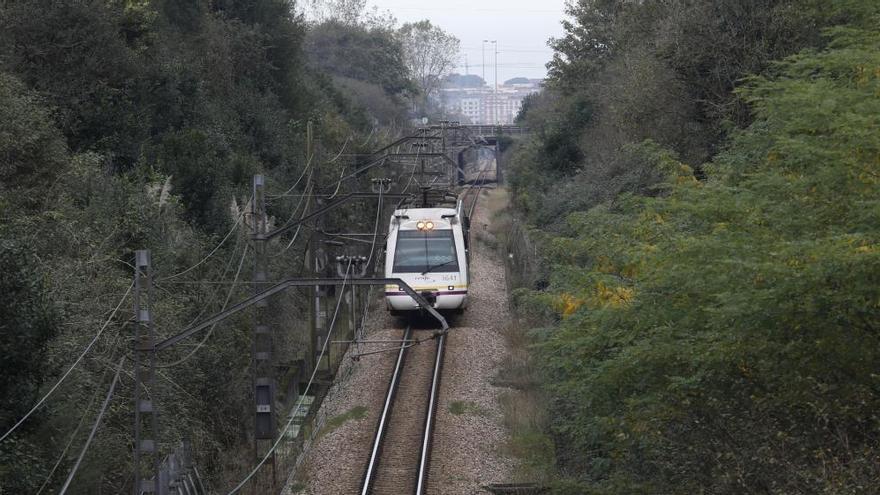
425,251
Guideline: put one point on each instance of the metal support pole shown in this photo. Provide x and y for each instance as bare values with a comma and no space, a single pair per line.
264,380
497,104
483,65
499,171
146,423
319,314
354,267
354,311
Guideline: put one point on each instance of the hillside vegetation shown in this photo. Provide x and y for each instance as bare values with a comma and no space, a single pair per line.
703,181
138,124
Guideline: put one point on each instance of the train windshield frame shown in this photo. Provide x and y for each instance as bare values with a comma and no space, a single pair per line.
431,251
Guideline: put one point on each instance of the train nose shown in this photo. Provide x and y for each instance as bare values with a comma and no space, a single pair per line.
429,296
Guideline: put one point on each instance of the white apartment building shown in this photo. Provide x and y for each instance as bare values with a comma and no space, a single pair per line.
470,107
485,106
501,108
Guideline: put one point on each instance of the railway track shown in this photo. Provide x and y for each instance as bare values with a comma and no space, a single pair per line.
400,455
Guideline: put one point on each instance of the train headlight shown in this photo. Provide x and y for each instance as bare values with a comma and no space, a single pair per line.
424,226
420,225
429,226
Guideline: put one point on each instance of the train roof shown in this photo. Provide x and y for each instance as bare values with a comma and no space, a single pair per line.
426,213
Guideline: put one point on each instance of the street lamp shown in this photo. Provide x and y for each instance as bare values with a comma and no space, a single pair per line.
497,103
497,51
483,48
494,42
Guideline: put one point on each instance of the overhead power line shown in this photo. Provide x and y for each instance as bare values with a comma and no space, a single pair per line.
82,453
82,420
213,251
533,49
307,194
72,366
306,169
223,308
375,229
521,65
465,8
281,435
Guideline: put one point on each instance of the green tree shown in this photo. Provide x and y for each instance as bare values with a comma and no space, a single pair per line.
31,148
28,321
430,54
721,338
73,54
367,54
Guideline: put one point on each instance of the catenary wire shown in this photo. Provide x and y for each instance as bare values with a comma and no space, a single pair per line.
95,426
213,251
82,420
72,366
306,169
220,281
338,183
292,239
376,227
342,150
413,174
309,190
369,137
283,432
307,197
111,350
223,308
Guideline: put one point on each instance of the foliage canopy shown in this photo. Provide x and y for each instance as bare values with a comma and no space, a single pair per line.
715,331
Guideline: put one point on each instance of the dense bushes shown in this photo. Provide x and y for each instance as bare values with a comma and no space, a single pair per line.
139,124
719,335
630,71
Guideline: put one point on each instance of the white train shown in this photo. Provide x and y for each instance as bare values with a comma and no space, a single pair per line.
428,249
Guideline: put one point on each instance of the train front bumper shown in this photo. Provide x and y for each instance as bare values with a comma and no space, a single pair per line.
442,299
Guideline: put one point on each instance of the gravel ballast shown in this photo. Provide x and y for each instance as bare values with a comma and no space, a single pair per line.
469,436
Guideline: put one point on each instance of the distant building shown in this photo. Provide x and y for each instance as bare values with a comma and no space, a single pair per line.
482,105
470,107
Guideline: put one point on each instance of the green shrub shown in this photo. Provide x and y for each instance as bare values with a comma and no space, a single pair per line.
722,338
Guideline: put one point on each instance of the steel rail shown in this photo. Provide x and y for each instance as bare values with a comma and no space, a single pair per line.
425,455
430,413
482,182
369,474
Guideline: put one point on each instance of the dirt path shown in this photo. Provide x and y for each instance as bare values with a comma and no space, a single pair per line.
469,435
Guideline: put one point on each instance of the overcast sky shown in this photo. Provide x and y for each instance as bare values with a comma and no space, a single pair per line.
522,28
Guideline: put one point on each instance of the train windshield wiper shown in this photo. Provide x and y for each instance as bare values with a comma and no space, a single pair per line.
453,260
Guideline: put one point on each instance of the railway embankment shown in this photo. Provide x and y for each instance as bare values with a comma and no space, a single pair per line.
470,440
